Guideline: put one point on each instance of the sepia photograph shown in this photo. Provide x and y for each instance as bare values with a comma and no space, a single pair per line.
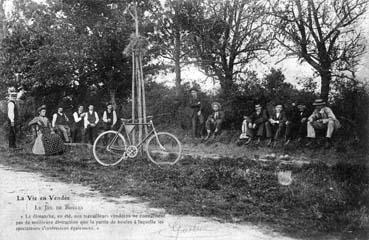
184,119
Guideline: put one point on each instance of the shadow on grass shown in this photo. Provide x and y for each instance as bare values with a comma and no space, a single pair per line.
321,200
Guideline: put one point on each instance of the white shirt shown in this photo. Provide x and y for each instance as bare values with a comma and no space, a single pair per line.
105,117
11,115
86,122
76,117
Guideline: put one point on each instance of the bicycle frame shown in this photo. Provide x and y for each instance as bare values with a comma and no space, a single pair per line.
120,130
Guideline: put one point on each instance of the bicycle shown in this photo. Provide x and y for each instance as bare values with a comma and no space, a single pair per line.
110,147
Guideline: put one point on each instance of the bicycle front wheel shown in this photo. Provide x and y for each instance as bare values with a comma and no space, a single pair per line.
109,148
164,148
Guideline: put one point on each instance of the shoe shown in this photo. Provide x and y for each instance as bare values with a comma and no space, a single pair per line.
287,142
309,143
247,141
207,137
269,142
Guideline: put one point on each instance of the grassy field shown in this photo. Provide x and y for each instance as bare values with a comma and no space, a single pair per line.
321,199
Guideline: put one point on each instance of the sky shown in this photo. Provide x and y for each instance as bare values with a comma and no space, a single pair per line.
293,69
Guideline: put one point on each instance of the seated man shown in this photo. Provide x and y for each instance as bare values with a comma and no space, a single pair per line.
322,118
60,123
214,122
296,123
254,124
276,124
109,117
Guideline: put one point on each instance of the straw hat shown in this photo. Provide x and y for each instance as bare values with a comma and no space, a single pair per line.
318,102
217,104
41,108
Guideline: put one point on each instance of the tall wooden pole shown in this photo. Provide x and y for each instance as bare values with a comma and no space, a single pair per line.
133,96
138,85
143,92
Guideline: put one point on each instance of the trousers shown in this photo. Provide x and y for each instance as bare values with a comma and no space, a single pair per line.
277,129
197,125
65,131
12,136
90,134
212,125
330,126
259,129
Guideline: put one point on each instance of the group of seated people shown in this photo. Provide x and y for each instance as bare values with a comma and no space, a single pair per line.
84,124
297,123
83,128
287,124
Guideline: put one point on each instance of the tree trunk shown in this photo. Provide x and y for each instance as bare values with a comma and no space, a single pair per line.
326,77
226,84
4,30
177,61
112,94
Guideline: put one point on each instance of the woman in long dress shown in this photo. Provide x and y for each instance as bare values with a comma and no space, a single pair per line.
47,142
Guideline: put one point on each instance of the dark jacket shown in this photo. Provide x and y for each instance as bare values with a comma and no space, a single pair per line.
298,116
220,116
281,118
195,105
259,118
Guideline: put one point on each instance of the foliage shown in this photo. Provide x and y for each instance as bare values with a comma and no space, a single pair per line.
68,48
322,33
351,102
225,38
171,38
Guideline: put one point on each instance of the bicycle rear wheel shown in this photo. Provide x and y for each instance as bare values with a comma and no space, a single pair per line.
109,148
164,148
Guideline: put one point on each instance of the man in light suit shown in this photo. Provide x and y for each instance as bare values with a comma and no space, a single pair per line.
322,118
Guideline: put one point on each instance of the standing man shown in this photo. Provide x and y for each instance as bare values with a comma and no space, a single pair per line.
90,122
322,118
109,117
60,123
197,117
12,118
78,125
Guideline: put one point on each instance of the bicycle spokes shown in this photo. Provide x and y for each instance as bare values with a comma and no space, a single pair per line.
109,148
164,148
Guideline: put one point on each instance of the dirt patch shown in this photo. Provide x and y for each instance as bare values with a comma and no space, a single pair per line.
319,200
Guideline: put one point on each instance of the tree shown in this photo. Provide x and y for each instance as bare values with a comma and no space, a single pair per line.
276,87
226,37
321,32
172,37
34,46
68,47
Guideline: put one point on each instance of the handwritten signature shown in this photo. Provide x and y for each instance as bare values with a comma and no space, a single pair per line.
180,228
